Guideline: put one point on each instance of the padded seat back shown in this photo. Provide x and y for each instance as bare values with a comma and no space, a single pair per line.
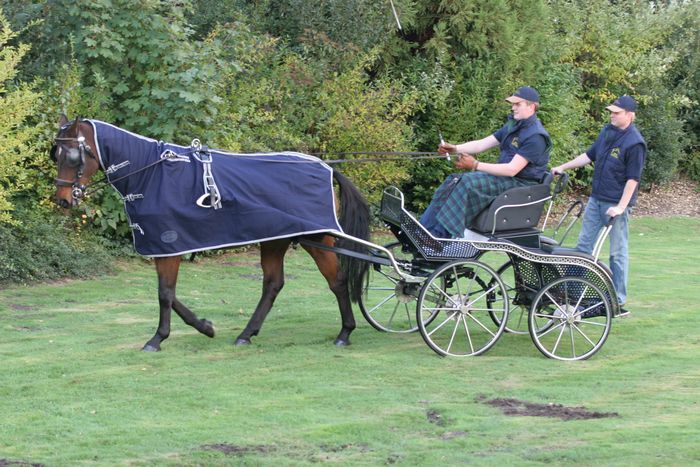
516,208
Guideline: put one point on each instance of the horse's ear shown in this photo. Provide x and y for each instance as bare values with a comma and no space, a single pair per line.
63,120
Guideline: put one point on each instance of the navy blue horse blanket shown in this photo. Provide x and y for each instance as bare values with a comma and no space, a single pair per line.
243,198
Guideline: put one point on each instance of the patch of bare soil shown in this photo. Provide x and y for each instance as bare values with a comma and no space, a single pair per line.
679,198
8,462
235,450
515,408
435,417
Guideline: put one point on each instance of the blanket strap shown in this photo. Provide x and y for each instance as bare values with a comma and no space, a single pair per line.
211,197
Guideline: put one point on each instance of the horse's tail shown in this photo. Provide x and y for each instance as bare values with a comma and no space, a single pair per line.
354,219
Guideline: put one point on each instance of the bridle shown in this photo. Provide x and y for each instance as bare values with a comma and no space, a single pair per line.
74,156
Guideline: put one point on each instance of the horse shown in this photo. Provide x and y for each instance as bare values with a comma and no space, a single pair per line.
79,153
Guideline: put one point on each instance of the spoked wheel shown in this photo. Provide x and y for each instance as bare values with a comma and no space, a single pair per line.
455,309
388,303
517,316
570,319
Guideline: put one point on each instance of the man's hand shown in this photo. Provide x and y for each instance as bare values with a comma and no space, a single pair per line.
446,148
466,162
614,211
557,170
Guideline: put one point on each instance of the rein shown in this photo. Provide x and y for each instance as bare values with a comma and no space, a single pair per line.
80,191
402,156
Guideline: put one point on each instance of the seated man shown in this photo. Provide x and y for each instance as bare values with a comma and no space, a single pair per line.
524,145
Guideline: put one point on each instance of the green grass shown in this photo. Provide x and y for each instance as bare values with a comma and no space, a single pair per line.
75,389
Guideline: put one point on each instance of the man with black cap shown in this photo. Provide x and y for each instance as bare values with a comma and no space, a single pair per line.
524,146
618,156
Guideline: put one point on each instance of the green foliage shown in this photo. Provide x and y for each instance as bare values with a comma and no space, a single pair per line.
665,138
156,79
41,247
358,117
332,31
277,100
17,102
618,48
684,77
263,95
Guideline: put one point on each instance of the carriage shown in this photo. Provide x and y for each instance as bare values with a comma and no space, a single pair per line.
461,294
503,276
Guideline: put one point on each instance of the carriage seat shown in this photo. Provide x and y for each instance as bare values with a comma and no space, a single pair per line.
515,209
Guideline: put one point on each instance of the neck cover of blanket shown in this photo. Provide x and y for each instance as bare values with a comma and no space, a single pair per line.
264,196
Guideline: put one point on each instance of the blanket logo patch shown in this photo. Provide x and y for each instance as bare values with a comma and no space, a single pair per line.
169,236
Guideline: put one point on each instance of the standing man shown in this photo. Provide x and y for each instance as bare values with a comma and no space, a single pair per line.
618,156
524,145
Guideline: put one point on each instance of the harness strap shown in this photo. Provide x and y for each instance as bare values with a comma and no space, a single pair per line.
211,197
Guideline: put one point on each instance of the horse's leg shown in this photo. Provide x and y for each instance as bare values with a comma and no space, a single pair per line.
272,261
327,262
167,269
202,325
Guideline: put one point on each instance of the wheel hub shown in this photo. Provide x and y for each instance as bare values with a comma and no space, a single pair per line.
567,313
459,304
403,293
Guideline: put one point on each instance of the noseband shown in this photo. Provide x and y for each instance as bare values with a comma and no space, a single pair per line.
74,157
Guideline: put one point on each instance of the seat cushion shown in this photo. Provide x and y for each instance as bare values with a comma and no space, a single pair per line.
512,209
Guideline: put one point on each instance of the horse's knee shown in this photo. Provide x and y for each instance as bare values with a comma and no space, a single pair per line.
166,296
273,285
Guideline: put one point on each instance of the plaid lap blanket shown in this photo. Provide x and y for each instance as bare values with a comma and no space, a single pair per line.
263,196
463,196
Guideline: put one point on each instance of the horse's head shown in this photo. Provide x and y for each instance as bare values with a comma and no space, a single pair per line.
75,158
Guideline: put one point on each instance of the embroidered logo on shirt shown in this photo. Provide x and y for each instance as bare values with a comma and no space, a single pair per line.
515,142
615,153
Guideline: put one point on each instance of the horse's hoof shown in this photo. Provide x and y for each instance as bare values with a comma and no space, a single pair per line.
341,343
150,348
208,329
241,341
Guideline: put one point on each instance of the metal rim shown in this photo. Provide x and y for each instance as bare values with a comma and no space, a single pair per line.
387,302
570,319
453,316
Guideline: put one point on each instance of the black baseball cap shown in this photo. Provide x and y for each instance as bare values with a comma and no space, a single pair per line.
524,93
623,103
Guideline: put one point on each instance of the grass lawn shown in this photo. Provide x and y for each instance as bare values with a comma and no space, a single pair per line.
75,389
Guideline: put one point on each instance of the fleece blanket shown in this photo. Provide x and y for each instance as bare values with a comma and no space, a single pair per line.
243,198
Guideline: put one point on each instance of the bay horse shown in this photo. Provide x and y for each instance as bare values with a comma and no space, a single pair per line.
78,152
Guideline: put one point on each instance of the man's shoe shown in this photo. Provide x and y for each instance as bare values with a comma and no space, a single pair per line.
623,313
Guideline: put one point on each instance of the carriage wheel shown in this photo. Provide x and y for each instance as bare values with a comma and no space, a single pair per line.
387,302
518,313
570,319
454,309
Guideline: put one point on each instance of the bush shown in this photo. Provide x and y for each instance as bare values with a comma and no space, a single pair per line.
41,247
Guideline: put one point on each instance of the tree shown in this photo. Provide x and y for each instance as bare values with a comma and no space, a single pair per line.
19,101
618,48
684,79
140,58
